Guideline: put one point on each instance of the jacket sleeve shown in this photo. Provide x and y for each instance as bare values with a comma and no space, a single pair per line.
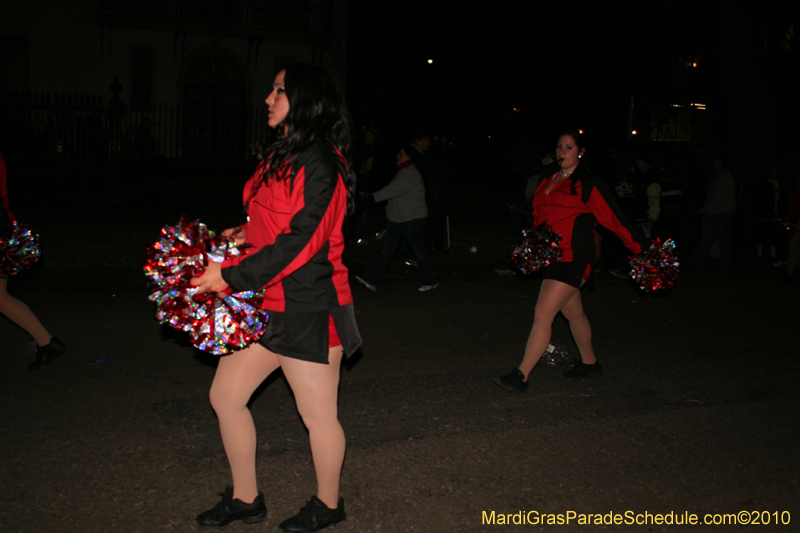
5,212
318,194
605,209
402,183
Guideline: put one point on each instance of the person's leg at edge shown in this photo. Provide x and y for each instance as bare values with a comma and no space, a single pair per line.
21,315
580,327
238,376
316,390
553,295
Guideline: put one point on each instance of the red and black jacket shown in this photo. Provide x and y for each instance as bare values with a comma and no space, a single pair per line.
6,216
295,227
574,216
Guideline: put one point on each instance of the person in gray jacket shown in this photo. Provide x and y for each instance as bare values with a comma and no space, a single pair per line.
406,215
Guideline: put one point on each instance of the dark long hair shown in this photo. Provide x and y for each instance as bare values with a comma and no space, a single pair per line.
317,113
583,168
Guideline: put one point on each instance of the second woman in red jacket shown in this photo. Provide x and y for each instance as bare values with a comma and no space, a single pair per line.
572,202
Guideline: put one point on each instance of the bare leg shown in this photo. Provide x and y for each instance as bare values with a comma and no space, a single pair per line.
238,376
316,391
21,315
580,327
553,295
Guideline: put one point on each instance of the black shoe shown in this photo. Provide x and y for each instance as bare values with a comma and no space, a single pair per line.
45,354
513,382
313,517
229,510
580,370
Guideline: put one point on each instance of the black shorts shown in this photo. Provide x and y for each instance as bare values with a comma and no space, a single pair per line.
308,336
572,273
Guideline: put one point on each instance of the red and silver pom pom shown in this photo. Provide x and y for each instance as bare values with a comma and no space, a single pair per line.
19,250
657,268
536,249
183,251
218,323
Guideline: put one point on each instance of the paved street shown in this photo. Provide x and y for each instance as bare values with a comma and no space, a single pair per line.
696,411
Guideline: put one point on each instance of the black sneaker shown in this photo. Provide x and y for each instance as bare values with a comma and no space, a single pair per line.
313,517
513,382
229,510
580,370
45,354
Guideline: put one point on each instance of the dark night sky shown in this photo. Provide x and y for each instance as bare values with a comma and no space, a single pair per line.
558,63
566,64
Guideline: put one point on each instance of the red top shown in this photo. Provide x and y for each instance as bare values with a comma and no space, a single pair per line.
574,216
4,189
295,227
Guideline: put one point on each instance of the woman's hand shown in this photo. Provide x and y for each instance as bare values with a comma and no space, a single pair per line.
238,234
210,280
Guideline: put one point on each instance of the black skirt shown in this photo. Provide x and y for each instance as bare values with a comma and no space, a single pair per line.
307,336
572,273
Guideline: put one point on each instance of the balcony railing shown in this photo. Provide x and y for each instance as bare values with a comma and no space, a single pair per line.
76,144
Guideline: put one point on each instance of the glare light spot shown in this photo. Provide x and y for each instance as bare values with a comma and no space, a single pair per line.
634,132
430,61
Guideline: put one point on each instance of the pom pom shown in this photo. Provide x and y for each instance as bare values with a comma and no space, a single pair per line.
218,323
183,251
19,250
536,249
657,268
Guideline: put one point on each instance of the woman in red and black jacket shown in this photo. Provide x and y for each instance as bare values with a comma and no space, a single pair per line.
295,203
572,202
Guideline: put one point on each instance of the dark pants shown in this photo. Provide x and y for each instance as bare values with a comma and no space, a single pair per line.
715,227
435,233
412,232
